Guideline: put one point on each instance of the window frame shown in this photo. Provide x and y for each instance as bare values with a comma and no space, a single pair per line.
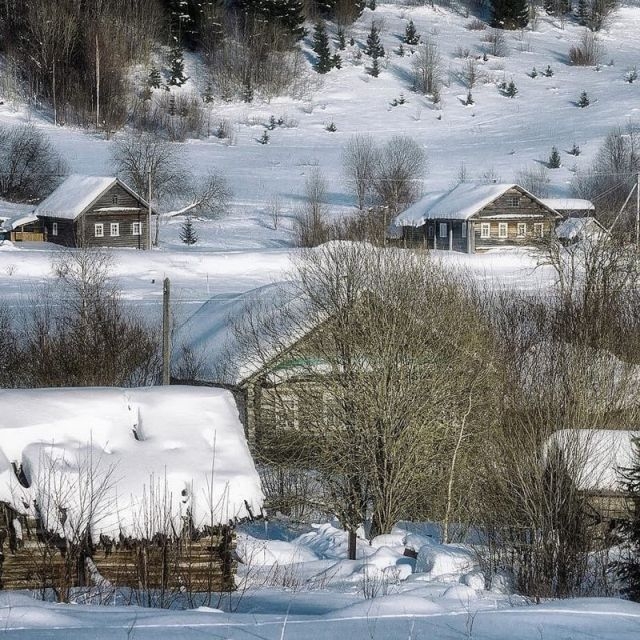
538,229
114,198
521,230
54,228
512,202
503,230
445,226
98,226
136,225
286,411
113,225
463,230
485,230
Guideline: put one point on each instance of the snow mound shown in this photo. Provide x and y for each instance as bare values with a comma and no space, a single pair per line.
326,541
259,553
393,605
445,561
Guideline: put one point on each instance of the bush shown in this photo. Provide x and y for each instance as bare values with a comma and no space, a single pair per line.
588,52
584,100
554,159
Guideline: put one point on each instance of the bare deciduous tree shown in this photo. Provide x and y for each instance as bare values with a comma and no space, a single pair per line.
312,228
29,165
360,160
427,67
401,168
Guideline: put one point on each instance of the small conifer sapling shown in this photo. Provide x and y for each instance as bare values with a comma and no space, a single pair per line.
188,234
584,100
554,159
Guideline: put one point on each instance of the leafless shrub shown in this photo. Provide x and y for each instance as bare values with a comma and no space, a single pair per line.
311,222
496,43
471,73
588,52
274,208
535,180
476,25
461,52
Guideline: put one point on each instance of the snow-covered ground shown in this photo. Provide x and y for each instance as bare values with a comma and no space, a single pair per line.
301,588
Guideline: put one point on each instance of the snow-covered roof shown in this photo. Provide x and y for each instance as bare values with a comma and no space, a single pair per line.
568,204
210,331
595,456
137,446
13,214
576,228
460,203
76,194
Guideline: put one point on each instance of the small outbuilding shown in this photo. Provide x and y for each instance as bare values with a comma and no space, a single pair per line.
137,488
573,230
475,217
96,211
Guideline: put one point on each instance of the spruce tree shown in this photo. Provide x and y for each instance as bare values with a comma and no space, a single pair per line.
410,34
374,70
374,47
509,14
188,234
321,48
155,80
554,159
342,41
511,90
628,568
176,65
584,100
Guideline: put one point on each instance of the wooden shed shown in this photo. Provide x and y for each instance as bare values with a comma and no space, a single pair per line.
96,211
136,488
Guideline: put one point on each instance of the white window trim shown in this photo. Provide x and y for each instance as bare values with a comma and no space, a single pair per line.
522,229
98,230
503,230
538,229
485,230
114,226
512,202
136,228
443,226
287,410
54,228
463,230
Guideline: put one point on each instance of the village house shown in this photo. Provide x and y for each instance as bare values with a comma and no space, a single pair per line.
18,222
475,217
95,211
140,487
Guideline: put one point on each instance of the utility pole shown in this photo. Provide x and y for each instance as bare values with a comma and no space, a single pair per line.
166,332
638,212
149,209
97,84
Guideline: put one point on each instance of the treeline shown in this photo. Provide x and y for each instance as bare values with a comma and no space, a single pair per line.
75,56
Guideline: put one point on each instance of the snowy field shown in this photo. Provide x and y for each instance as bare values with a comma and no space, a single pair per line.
441,594
300,588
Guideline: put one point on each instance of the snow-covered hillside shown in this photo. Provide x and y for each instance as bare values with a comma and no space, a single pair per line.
495,135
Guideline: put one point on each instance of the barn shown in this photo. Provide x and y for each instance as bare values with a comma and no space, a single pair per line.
475,217
96,211
136,488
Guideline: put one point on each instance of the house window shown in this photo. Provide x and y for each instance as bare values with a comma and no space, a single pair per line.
136,228
430,231
538,229
503,230
114,199
54,228
522,229
286,411
463,229
485,230
114,229
512,201
444,230
98,230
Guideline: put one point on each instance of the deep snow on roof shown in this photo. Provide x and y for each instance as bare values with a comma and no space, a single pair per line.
568,204
596,456
74,195
13,214
210,331
573,228
460,203
142,449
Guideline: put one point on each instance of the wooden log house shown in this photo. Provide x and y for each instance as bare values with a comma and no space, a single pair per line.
96,211
475,217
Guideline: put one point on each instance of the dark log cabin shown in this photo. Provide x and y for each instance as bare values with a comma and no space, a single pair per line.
95,211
